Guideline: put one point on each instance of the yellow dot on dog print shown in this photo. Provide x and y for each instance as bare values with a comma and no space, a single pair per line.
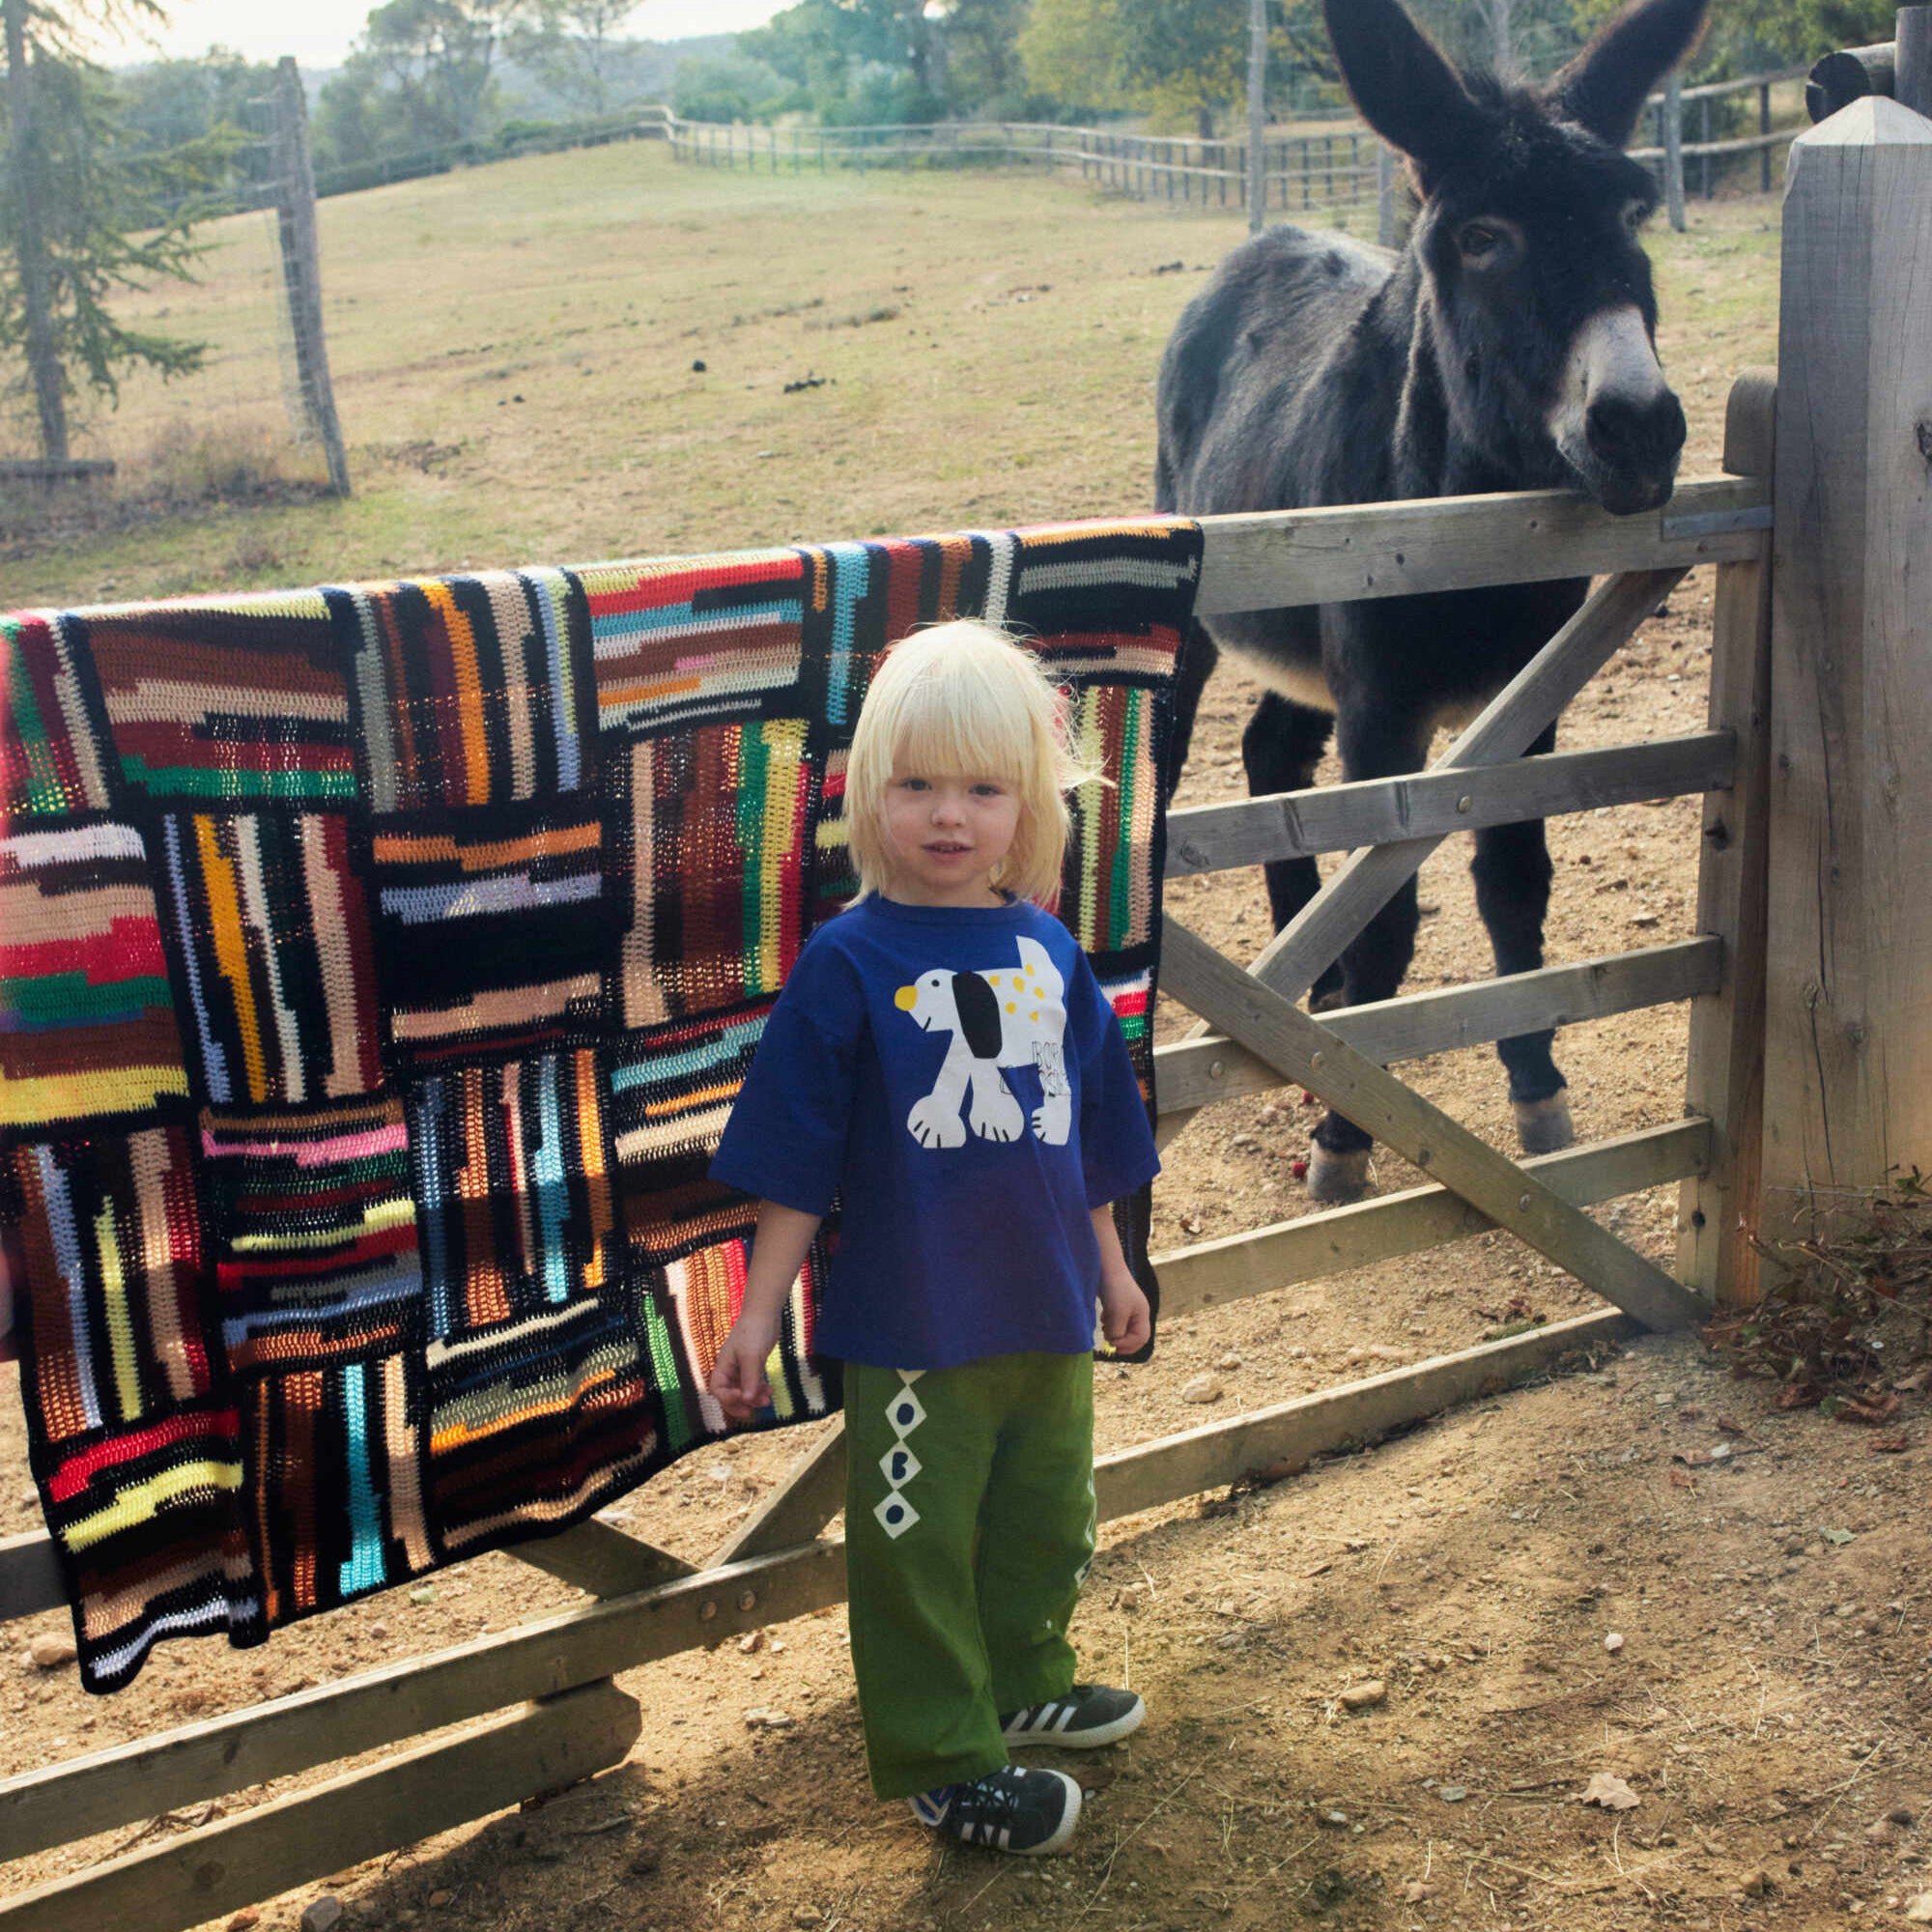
1012,1007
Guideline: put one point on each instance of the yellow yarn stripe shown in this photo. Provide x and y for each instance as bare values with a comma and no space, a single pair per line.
120,1318
468,688
379,1215
231,951
59,1096
136,1505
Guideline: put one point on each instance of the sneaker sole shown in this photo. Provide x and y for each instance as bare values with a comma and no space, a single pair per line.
1124,1725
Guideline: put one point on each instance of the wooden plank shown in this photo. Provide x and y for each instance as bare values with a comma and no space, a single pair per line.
29,1576
1275,559
1848,1058
1310,1425
1295,957
549,1654
1415,1219
1378,811
601,1558
407,1797
811,1495
1511,1195
1189,1074
1718,1210
1301,950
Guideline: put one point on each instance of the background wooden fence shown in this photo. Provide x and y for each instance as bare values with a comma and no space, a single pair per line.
1341,166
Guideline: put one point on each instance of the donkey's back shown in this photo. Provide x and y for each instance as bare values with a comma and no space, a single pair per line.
1272,366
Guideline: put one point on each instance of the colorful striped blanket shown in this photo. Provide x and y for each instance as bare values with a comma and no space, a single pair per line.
378,965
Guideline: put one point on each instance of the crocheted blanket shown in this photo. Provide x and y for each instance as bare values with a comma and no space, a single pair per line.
378,965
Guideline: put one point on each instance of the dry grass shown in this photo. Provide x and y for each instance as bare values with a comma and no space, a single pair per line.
514,352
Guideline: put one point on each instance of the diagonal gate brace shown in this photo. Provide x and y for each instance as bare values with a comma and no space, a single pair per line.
1301,1049
1294,959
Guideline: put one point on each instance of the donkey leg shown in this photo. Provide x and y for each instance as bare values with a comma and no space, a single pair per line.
1373,965
1280,749
1511,872
1193,667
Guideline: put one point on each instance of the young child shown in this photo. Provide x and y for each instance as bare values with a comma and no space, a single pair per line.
944,1060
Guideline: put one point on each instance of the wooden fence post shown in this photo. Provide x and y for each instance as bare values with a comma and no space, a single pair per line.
1718,1210
1672,116
1912,63
302,267
1254,184
1848,1065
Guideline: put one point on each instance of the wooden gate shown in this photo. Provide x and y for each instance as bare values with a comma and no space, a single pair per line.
538,1701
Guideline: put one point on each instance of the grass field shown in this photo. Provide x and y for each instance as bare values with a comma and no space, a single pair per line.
514,349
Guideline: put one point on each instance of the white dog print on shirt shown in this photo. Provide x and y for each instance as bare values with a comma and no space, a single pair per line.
1002,1017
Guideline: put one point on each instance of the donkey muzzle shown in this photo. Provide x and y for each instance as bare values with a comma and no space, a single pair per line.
1617,423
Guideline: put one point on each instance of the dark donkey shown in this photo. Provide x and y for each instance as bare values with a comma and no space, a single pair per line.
1510,346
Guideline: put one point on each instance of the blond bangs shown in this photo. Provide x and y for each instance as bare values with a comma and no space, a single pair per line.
963,699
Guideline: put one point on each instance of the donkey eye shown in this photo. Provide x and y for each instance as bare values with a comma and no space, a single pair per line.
1480,241
1635,214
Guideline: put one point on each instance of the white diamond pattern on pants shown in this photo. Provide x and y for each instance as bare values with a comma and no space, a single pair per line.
904,1413
895,1514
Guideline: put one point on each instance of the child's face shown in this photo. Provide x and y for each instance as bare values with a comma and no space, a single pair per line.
946,835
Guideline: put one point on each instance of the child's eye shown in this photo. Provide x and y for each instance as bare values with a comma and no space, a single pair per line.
913,785
986,788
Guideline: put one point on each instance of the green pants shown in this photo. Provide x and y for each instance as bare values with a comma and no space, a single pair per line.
969,1526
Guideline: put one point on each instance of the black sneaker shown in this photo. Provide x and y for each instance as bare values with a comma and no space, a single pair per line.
1088,1716
1011,1811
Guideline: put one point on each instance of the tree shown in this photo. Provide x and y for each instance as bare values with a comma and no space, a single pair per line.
170,103
570,45
1186,59
1069,50
436,60
884,53
1180,60
78,215
727,87
980,39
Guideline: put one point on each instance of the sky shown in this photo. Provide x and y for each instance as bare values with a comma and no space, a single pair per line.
318,32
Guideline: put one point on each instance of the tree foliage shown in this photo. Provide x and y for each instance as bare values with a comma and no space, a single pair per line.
897,60
572,47
113,207
1182,63
424,75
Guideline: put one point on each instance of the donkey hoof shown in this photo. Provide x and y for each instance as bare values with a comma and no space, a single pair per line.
1542,1126
1336,1178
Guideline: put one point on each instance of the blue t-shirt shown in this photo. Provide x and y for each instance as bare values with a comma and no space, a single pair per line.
957,1075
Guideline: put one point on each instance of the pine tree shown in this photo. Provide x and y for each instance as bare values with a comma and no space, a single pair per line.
86,210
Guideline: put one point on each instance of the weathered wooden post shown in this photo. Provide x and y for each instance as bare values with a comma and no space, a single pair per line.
1254,182
1718,1210
1672,113
302,267
1848,1052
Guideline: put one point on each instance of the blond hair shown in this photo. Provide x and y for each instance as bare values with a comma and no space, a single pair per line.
965,700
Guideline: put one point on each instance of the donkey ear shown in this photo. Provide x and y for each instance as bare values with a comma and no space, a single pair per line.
1406,91
1603,88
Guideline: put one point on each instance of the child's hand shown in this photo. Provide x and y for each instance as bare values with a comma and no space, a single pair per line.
739,1381
1126,1319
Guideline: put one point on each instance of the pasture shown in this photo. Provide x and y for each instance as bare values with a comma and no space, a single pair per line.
513,353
